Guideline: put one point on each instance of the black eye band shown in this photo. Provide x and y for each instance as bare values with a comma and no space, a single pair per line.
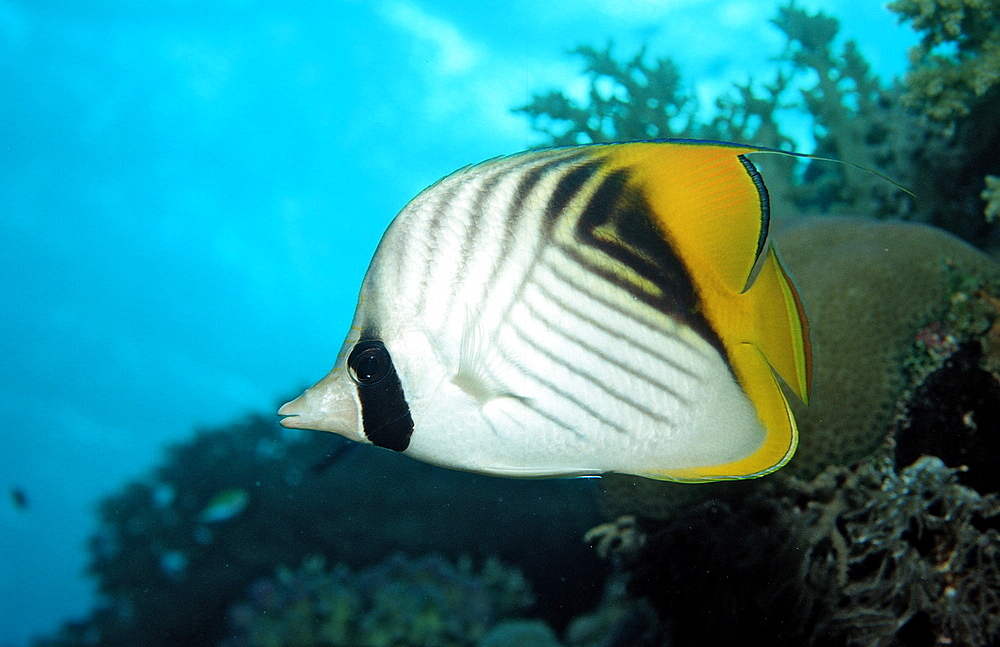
385,414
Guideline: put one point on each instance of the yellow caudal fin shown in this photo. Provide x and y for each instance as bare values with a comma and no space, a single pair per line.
776,344
779,328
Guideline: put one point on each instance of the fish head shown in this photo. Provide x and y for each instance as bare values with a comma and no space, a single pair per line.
393,385
412,376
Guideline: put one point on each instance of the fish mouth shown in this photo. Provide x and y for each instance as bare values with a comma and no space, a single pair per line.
324,407
290,417
303,413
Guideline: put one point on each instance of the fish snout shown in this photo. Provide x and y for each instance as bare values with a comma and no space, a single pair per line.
291,414
329,405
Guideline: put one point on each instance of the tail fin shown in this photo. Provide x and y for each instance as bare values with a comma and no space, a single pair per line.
782,337
775,343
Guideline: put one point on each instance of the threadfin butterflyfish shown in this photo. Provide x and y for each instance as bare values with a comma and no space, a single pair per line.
577,311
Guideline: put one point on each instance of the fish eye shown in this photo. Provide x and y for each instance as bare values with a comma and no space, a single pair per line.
369,362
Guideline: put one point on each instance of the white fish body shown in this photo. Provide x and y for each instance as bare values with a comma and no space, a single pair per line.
529,316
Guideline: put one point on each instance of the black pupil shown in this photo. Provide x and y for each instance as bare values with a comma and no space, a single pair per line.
368,366
369,362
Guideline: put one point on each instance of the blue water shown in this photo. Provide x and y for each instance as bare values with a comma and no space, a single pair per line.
190,193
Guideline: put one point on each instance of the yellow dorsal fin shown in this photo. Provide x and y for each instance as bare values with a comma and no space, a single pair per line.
697,190
709,202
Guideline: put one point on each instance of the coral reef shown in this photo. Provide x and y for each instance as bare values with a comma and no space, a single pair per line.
427,602
175,549
863,556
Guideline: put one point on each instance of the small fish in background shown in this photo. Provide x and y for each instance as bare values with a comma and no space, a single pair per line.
19,498
225,505
577,311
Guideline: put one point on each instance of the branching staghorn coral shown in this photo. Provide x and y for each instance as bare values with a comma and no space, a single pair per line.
629,100
854,118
